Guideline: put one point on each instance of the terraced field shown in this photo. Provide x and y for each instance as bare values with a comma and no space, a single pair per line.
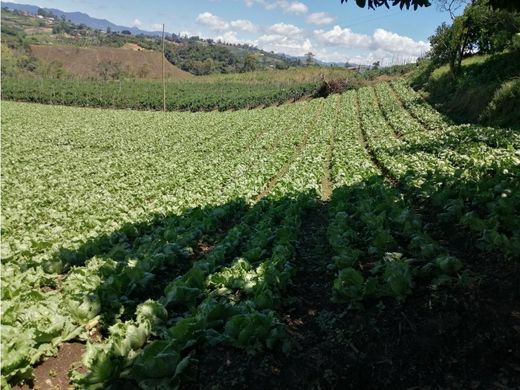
356,241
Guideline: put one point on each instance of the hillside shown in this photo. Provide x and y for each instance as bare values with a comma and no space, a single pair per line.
101,62
78,18
486,91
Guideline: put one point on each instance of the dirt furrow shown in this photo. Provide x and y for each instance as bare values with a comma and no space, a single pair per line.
327,185
418,119
283,170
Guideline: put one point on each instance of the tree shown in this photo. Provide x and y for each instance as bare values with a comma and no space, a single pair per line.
309,59
373,4
490,30
480,29
250,63
45,13
509,5
450,43
451,6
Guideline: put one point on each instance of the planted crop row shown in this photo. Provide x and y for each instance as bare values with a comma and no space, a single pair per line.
350,161
464,184
148,95
462,144
380,244
418,107
229,296
172,233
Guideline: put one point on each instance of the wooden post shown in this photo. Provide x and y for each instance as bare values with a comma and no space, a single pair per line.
162,69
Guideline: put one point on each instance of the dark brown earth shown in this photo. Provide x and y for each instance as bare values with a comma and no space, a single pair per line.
53,373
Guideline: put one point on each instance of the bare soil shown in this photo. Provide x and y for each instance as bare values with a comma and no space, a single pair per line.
83,62
52,374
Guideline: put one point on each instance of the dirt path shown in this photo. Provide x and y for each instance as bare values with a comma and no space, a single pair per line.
327,186
310,293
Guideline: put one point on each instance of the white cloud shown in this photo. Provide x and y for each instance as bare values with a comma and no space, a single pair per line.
187,33
342,37
284,29
382,43
244,25
136,23
296,46
250,3
292,7
320,18
216,23
228,37
334,44
395,43
212,21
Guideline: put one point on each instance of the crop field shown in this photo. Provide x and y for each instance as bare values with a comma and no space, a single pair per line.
203,93
341,242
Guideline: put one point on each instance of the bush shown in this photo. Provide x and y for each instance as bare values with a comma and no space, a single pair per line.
503,108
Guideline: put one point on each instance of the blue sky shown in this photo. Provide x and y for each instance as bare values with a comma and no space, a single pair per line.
334,32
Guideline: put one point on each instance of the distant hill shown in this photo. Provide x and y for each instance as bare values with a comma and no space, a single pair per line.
24,25
78,18
96,62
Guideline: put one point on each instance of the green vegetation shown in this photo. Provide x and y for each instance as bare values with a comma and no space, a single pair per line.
471,72
182,235
373,4
485,91
205,93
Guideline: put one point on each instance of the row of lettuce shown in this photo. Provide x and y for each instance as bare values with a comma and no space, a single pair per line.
214,263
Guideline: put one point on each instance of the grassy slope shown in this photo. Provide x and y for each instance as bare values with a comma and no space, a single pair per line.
487,90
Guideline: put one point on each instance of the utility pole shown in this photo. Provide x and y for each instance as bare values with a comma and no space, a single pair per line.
162,70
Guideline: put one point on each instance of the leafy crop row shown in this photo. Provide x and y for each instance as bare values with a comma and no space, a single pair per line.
67,186
380,244
466,175
148,95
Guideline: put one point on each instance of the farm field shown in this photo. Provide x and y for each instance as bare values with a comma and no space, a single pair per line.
357,241
202,93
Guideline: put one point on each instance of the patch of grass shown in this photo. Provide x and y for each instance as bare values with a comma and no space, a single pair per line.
503,108
485,90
